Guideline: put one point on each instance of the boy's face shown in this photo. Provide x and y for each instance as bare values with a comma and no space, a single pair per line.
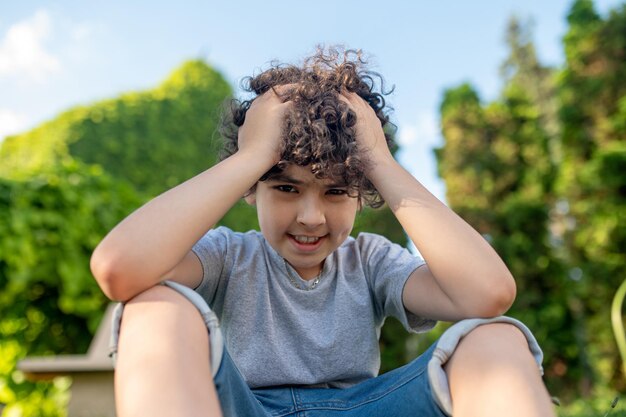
304,218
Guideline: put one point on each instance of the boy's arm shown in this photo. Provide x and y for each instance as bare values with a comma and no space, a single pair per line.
463,276
155,241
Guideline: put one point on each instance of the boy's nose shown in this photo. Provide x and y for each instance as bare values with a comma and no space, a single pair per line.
311,214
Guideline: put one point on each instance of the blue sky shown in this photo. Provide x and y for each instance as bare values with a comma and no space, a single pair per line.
58,54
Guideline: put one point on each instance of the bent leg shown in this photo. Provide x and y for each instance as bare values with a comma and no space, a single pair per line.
493,373
163,366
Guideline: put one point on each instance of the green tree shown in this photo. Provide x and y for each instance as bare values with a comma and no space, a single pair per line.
499,177
592,179
540,173
499,162
523,69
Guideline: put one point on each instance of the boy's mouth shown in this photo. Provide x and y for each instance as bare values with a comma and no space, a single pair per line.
306,239
306,243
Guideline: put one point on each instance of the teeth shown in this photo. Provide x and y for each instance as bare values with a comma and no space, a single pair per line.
306,239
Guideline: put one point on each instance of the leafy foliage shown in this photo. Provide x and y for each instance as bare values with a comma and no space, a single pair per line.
592,177
154,139
540,172
49,303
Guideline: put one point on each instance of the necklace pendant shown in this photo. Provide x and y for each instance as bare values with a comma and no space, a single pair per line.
295,282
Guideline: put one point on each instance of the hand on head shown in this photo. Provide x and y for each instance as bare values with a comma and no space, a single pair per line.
262,131
370,136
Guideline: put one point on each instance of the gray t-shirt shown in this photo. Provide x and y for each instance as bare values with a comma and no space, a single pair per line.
278,334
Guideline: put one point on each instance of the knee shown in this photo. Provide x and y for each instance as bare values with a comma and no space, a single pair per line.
161,333
158,293
495,344
493,368
161,307
157,297
498,335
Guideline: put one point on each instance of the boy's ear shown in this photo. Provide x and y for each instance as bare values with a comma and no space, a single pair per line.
250,198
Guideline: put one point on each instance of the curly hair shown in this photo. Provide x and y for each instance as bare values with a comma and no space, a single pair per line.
320,128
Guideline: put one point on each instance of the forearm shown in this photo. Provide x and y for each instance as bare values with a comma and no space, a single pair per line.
465,266
153,239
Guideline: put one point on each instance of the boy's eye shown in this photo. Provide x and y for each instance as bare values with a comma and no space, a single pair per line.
337,191
285,188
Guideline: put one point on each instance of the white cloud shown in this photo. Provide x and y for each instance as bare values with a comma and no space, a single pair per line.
11,122
22,50
407,135
425,130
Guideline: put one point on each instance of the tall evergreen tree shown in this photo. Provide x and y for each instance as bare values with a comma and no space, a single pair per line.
592,180
544,180
523,68
499,162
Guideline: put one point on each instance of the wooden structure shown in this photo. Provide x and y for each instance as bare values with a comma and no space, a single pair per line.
92,374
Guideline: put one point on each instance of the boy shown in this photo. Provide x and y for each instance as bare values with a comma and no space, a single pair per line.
300,304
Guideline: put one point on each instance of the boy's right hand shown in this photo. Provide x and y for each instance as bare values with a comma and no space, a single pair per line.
262,131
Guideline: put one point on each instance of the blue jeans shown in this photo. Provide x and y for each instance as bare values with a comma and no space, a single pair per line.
419,388
402,392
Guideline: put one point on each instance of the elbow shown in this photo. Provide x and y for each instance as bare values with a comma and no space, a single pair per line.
499,298
105,271
491,300
509,293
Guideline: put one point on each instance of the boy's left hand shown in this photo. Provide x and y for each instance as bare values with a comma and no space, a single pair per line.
369,131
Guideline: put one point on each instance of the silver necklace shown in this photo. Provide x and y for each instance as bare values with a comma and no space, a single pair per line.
296,284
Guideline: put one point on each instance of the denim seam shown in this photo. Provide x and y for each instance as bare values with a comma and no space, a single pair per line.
343,405
287,411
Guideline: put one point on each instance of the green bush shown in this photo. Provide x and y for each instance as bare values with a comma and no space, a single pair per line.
153,139
49,302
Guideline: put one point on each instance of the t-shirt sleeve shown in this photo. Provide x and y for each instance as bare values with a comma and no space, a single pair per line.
212,250
387,267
